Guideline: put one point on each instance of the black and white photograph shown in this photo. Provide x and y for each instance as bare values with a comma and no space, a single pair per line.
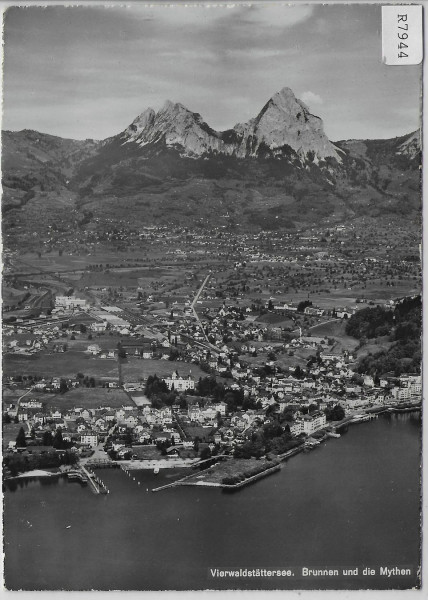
211,296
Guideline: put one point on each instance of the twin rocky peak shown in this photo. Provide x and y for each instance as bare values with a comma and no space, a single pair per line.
284,123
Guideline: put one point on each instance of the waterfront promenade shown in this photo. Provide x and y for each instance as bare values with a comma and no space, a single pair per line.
163,463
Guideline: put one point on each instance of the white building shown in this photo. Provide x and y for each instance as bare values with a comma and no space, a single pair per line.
194,412
180,384
70,302
89,438
401,393
94,349
99,326
312,423
297,427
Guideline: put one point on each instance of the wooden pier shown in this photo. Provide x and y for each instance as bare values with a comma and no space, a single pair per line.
97,486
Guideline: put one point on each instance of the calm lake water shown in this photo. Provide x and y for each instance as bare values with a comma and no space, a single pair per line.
352,502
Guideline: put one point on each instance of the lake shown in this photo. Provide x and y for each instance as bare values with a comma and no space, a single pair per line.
350,504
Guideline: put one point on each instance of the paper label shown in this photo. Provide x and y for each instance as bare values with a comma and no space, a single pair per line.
402,34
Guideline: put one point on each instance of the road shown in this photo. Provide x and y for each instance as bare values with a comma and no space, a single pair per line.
324,323
99,454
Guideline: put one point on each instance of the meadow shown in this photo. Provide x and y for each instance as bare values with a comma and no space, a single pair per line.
64,364
90,398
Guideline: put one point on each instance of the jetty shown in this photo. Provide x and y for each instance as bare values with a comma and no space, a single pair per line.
97,486
77,476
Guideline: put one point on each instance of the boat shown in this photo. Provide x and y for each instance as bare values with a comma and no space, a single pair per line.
311,443
360,418
68,526
156,470
333,434
76,476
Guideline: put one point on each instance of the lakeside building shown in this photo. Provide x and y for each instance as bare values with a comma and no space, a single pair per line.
308,424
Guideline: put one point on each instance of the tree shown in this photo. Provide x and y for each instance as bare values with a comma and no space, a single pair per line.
58,441
335,414
20,439
47,438
205,453
302,305
298,372
121,352
219,419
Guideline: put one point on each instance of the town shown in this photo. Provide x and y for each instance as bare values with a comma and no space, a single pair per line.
169,370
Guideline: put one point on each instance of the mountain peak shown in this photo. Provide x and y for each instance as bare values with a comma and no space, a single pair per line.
284,96
283,125
285,121
173,108
144,118
286,100
139,125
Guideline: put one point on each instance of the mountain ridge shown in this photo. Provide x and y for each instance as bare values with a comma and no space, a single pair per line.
278,169
284,121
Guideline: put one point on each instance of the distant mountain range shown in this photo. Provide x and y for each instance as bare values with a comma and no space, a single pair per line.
277,170
283,125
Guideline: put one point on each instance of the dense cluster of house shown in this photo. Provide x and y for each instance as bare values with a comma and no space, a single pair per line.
328,381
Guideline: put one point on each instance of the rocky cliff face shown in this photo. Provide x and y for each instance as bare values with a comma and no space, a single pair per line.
411,147
176,127
284,123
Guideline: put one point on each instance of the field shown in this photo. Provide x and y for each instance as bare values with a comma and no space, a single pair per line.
81,343
375,291
12,295
9,432
68,364
65,364
232,468
140,399
147,452
88,398
197,431
275,320
336,330
376,346
11,396
284,361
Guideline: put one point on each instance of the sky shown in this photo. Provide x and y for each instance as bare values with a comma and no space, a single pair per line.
87,72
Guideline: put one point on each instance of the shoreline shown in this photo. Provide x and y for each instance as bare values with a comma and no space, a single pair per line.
171,463
34,473
163,463
290,453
